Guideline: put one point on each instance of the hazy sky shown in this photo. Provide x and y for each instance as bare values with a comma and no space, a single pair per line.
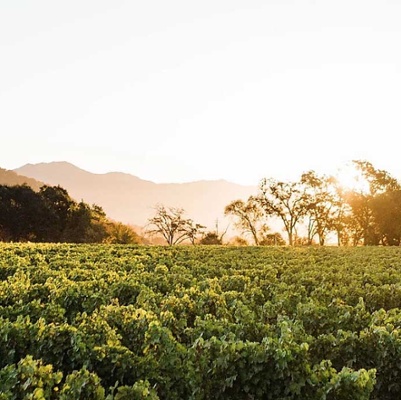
176,91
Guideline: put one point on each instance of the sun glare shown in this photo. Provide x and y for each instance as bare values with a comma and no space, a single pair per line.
351,178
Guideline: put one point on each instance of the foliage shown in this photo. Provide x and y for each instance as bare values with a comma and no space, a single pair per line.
199,322
375,214
141,390
22,213
379,180
211,238
119,233
272,239
30,379
367,214
58,204
51,215
82,385
386,212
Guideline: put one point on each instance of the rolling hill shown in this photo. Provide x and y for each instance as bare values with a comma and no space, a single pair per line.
129,199
11,178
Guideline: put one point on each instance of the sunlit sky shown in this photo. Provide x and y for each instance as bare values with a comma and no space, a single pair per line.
175,91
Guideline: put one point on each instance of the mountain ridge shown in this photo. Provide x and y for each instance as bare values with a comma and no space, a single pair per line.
130,199
11,178
73,167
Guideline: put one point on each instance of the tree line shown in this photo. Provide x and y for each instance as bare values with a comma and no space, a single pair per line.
309,210
51,215
368,215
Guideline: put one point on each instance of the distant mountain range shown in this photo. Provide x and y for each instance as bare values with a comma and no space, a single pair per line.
131,200
11,178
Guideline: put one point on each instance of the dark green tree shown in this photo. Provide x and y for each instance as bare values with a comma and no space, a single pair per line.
85,225
21,213
59,206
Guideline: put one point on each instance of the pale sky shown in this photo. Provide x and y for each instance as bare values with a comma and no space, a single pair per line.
175,91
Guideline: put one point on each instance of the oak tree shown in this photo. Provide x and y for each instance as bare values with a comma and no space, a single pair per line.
172,225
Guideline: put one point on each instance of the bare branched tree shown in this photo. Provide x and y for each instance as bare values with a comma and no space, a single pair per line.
171,224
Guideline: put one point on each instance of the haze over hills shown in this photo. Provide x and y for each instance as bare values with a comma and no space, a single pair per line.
129,199
11,178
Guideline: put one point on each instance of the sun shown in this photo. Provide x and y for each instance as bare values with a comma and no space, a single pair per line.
352,179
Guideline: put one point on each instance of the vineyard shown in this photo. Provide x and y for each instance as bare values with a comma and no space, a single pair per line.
199,322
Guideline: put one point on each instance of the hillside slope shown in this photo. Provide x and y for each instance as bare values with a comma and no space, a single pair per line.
11,178
129,199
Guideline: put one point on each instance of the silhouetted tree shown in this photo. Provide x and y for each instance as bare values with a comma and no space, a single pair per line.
379,180
59,206
321,205
386,212
249,216
49,215
77,229
22,213
194,230
85,224
171,224
365,205
286,200
211,238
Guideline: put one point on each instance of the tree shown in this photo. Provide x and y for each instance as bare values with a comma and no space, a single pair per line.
58,204
379,180
386,212
365,204
97,229
211,238
86,224
194,230
321,205
119,233
360,222
342,217
272,239
49,215
249,216
22,213
78,224
171,224
286,200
